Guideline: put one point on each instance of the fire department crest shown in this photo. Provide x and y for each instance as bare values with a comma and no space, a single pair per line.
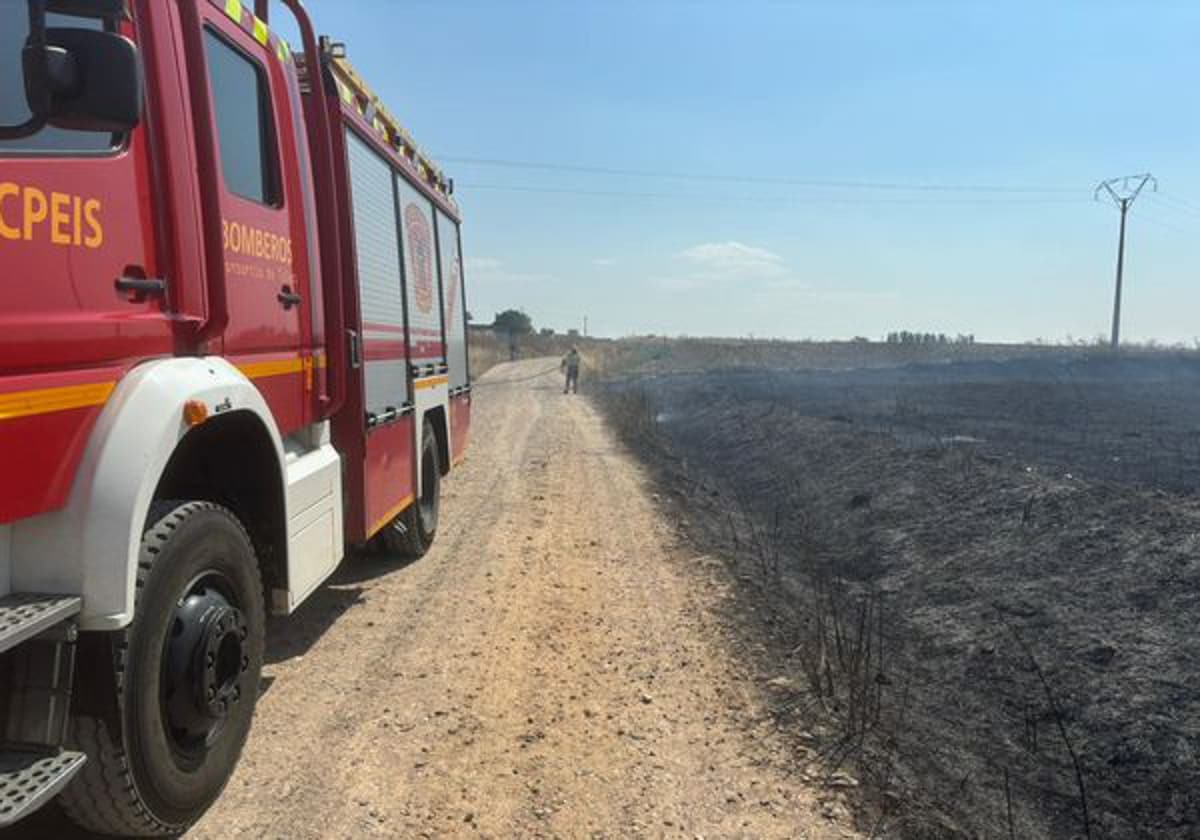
420,256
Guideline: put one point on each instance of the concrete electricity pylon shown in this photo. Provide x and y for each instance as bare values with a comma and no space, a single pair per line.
1122,191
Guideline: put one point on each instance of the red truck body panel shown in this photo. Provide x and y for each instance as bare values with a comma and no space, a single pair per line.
460,425
69,228
159,207
388,474
237,307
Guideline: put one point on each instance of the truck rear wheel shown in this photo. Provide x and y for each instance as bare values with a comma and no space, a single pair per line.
186,676
413,531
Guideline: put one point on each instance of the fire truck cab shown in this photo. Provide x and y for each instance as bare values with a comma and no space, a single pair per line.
232,348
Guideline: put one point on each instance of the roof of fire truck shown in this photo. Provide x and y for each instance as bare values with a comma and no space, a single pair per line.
356,93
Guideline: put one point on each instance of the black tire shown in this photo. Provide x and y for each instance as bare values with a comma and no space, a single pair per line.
158,760
411,534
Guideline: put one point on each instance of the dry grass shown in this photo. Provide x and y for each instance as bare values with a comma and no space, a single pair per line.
601,357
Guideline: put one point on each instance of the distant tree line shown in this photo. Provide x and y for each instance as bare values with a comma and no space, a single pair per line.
906,337
513,322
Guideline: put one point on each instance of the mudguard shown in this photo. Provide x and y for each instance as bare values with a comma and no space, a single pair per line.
90,546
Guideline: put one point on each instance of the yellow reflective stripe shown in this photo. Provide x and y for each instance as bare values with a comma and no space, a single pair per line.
430,383
49,400
261,33
390,515
283,50
233,8
306,363
345,92
258,370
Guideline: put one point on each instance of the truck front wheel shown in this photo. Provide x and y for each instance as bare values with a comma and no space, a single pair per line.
186,677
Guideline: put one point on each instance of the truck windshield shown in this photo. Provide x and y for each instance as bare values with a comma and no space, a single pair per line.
14,30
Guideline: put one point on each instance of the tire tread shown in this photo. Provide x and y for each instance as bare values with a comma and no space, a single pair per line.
103,796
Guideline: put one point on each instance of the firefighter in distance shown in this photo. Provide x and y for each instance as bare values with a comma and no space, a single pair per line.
570,366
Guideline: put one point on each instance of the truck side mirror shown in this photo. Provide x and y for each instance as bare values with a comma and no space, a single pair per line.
94,80
75,78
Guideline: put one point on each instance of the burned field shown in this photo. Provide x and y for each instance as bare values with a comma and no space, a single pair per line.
976,584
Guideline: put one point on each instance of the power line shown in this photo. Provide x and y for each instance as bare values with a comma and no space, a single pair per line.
463,185
1176,205
1182,202
1162,224
750,179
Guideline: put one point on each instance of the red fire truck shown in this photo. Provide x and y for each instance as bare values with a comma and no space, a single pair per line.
232,347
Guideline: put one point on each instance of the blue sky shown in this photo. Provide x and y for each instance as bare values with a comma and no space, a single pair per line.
1022,95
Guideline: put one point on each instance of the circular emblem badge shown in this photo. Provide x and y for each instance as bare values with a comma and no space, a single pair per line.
420,256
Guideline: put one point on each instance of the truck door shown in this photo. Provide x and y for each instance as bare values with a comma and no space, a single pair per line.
263,222
387,469
77,235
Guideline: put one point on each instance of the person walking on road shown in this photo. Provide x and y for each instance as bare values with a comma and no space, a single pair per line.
570,366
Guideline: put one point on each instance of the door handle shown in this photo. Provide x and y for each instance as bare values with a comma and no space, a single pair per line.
143,285
288,298
137,286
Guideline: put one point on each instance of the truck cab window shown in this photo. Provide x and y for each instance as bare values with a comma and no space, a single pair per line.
241,108
14,30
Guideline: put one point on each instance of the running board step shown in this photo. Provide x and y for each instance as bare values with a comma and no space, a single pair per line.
28,780
23,616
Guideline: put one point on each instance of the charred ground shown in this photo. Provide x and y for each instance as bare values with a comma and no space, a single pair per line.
976,582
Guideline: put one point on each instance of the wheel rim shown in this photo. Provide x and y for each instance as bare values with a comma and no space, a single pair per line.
204,665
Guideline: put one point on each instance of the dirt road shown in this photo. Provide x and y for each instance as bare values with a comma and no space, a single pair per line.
551,669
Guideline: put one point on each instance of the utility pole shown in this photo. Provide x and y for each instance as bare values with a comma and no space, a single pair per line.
585,326
1123,191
